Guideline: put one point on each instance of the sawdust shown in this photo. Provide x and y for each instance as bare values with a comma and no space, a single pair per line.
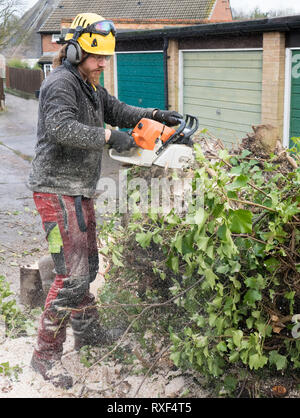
111,379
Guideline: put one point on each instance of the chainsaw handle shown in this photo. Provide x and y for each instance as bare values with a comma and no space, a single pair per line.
191,121
182,124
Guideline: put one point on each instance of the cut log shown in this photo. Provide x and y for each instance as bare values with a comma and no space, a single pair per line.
31,290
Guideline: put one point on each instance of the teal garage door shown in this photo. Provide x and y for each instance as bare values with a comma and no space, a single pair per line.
295,97
141,79
223,89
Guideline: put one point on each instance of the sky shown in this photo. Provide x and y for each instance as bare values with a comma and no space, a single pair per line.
264,5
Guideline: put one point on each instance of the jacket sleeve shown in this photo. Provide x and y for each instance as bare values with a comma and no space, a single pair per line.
117,113
60,108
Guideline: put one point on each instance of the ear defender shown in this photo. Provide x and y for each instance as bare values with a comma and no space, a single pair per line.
74,53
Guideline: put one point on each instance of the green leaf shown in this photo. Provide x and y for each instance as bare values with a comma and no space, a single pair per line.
271,264
252,296
241,221
230,382
256,282
199,319
173,263
200,217
144,239
237,337
184,243
222,347
202,243
223,269
218,208
249,322
256,361
234,356
175,357
223,233
211,277
245,153
239,182
116,261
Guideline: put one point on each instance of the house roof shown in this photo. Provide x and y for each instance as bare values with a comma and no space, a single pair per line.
129,10
31,21
280,24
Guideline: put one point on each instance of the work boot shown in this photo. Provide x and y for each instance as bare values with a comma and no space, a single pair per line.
87,328
53,371
88,331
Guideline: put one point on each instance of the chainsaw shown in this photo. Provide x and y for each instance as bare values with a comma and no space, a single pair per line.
156,143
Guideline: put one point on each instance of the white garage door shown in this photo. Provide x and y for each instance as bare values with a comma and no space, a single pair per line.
223,89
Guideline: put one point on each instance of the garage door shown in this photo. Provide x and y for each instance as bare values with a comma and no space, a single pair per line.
141,79
223,88
295,97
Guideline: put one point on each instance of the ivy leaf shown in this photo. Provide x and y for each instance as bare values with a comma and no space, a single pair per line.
234,356
175,357
252,296
230,383
222,347
245,153
237,337
241,221
144,239
278,360
173,263
184,243
211,277
256,361
238,183
200,217
116,261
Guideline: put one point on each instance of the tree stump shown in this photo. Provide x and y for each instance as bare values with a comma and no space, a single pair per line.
31,290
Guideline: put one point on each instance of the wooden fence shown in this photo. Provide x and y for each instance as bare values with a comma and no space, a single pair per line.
2,97
24,79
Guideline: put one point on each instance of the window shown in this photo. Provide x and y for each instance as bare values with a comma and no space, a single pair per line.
55,37
47,69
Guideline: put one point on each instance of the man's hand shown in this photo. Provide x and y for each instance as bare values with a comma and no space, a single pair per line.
121,141
170,117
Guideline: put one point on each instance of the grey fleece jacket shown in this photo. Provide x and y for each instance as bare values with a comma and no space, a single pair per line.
70,133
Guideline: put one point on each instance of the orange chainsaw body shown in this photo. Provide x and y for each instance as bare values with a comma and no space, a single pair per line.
147,132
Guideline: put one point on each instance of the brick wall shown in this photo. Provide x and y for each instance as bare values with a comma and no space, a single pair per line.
273,80
173,74
222,11
48,45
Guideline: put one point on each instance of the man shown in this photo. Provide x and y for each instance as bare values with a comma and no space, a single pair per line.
65,170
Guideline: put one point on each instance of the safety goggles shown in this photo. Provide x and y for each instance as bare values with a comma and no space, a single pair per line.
104,27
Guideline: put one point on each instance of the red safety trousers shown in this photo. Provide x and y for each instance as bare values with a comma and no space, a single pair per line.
73,246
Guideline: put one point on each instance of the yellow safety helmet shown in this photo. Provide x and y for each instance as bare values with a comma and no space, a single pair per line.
94,34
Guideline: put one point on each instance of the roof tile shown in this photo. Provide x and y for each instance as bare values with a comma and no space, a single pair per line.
175,10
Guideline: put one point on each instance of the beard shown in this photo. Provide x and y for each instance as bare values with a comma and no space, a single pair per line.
94,77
